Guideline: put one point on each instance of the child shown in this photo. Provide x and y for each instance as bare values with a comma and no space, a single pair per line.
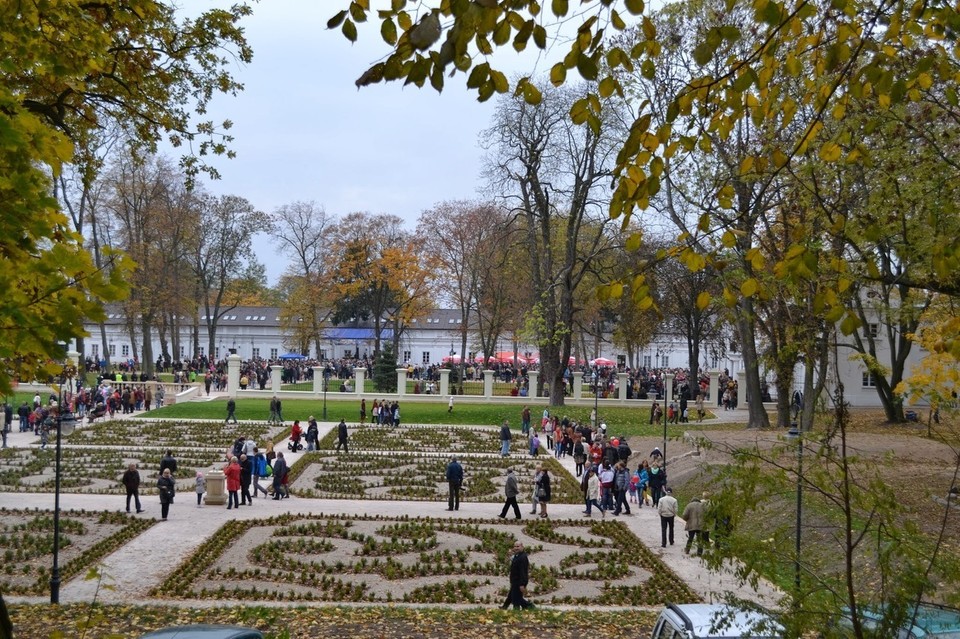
632,489
201,488
534,445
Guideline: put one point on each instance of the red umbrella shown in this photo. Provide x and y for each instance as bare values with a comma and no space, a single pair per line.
506,357
602,361
451,359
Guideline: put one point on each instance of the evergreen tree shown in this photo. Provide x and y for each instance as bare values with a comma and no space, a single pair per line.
385,370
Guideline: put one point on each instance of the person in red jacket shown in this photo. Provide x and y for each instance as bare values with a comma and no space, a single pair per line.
232,473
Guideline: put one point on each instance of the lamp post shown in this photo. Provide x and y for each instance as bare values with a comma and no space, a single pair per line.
64,423
796,432
596,396
326,380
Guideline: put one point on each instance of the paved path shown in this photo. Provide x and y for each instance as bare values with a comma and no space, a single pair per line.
146,560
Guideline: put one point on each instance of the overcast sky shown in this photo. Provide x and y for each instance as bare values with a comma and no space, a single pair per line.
303,131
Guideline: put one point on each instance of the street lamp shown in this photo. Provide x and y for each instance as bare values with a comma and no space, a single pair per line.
596,396
796,433
64,423
326,380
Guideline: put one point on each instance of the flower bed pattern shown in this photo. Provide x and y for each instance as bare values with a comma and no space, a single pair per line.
171,434
336,558
422,438
97,470
26,541
411,477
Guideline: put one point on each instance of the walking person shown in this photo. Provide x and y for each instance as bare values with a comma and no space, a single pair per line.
342,436
505,437
694,514
592,493
525,421
621,485
259,470
246,477
543,492
519,578
450,405
274,412
279,474
200,487
510,490
131,481
168,489
232,472
657,479
168,461
363,411
535,501
667,507
231,411
454,483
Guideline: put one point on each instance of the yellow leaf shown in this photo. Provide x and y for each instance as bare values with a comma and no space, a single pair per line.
703,300
830,152
747,165
749,287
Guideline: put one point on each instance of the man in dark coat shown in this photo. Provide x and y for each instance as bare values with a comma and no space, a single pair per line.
168,461
342,436
455,482
246,477
231,410
519,577
279,472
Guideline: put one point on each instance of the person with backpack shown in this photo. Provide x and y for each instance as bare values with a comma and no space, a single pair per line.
260,467
313,433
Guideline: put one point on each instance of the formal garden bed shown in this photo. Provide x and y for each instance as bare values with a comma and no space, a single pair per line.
172,434
26,541
374,559
98,470
389,476
422,438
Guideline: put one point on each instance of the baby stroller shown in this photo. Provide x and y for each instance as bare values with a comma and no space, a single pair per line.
98,411
295,435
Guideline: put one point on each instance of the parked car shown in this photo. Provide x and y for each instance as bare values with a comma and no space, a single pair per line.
204,632
713,621
932,622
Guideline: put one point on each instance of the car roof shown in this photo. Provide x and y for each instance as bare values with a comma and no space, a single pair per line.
204,631
716,621
932,621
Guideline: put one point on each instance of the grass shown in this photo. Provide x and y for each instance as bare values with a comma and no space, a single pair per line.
626,421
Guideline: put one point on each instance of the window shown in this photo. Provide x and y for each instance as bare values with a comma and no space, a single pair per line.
348,352
621,360
471,356
426,357
871,330
217,353
113,350
273,353
407,355
665,361
323,354
182,352
202,353
868,380
648,361
256,352
125,350
95,350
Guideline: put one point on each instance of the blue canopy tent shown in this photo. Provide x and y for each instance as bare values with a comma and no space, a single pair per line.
292,356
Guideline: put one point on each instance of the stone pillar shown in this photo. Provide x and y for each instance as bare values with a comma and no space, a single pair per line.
276,373
624,380
534,378
402,381
360,375
216,495
577,384
233,375
713,399
444,382
667,390
318,379
488,383
741,389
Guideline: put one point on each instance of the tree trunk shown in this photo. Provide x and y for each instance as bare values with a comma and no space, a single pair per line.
146,330
745,318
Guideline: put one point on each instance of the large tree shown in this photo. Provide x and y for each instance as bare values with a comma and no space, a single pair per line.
71,67
551,175
303,230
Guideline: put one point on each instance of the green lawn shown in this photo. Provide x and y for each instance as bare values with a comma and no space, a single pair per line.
620,420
